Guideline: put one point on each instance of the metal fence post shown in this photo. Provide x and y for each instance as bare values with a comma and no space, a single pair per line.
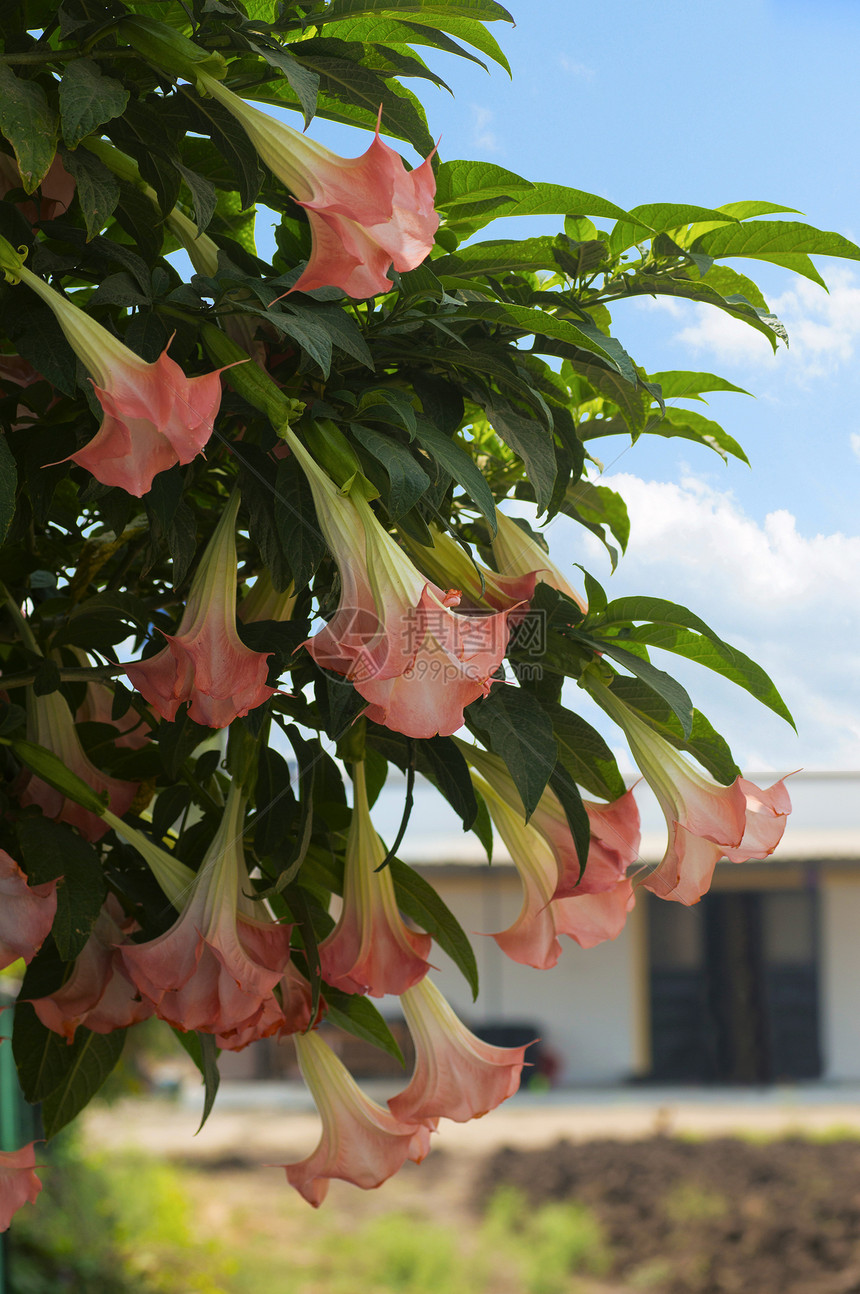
17,1118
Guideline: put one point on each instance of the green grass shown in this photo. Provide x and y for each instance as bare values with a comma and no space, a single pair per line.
128,1225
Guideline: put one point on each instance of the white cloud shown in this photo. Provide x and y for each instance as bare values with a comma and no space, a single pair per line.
482,134
785,598
854,438
573,68
823,329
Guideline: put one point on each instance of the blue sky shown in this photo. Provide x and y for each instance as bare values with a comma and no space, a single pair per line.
672,101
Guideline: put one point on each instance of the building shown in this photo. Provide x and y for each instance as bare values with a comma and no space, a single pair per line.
758,983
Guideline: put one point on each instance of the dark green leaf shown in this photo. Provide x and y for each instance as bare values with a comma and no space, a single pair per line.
514,726
203,1051
50,850
440,760
88,99
29,124
296,521
97,188
8,486
455,460
585,754
407,479
419,900
534,444
203,195
357,1015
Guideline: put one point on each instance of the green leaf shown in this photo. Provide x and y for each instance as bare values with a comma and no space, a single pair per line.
703,742
539,200
596,506
419,900
45,764
296,521
8,486
407,479
534,444
585,754
203,1051
203,194
473,182
567,791
458,462
781,242
440,759
50,850
666,687
543,324
29,124
62,1075
88,99
302,80
514,726
682,385
94,1057
715,655
688,425
357,1015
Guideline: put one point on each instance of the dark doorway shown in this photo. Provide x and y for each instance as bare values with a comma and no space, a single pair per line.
734,988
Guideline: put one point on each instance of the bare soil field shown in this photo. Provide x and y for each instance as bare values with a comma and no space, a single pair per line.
693,1198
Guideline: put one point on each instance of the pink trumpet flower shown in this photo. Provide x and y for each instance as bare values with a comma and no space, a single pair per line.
215,968
588,919
456,1076
19,1184
447,562
50,724
154,416
26,912
96,994
612,849
395,635
56,189
366,213
361,1142
614,830
370,950
706,820
205,662
516,553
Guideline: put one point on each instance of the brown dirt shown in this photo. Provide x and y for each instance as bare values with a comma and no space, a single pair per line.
723,1216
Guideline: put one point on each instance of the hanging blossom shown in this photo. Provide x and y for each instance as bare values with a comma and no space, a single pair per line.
706,820
50,724
26,912
56,189
361,1142
370,950
395,634
154,416
588,919
264,602
132,731
96,994
614,830
456,1075
365,213
19,1184
205,662
215,969
446,561
516,553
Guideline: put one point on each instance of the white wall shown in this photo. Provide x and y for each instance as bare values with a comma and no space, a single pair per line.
840,988
585,1006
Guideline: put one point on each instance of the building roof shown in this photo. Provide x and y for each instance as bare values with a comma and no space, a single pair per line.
824,825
